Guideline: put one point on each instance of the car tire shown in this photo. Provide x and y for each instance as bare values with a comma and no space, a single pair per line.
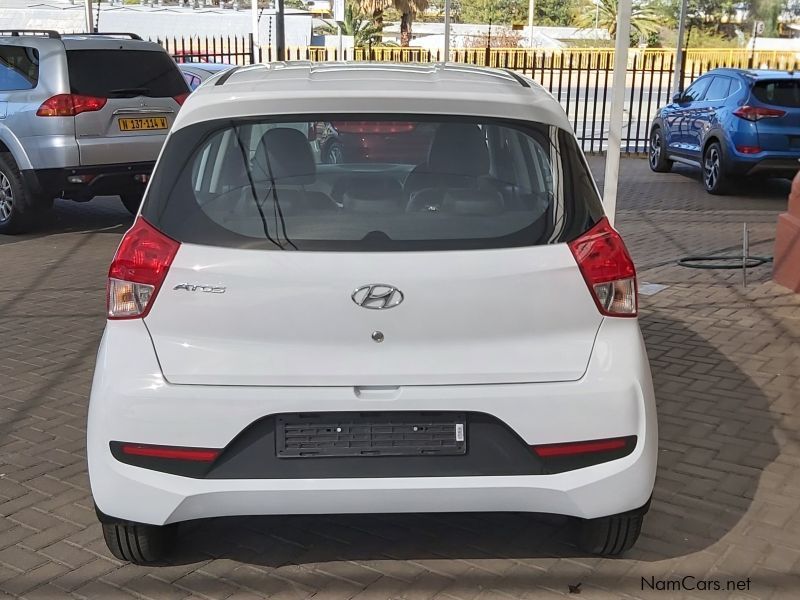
612,535
715,179
334,154
132,201
657,152
139,543
18,207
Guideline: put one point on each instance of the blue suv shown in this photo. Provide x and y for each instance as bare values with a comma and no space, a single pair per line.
731,123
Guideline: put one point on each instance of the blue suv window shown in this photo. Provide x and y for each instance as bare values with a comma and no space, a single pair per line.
696,91
19,68
719,88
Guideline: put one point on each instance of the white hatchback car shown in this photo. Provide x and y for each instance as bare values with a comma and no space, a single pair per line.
442,320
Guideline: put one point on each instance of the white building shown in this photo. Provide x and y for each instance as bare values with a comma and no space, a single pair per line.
155,22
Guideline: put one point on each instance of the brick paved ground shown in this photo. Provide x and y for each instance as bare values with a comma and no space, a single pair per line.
726,363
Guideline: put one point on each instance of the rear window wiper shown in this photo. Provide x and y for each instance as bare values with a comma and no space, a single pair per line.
132,91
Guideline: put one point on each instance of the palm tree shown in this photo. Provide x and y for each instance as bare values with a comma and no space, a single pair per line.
357,24
603,13
406,8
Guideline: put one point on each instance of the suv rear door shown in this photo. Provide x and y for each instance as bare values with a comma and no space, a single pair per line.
143,90
779,129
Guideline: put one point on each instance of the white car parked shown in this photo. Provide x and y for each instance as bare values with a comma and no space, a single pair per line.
444,321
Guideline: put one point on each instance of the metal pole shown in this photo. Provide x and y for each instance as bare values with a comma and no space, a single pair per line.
677,81
447,30
254,22
280,32
341,41
531,7
89,16
617,106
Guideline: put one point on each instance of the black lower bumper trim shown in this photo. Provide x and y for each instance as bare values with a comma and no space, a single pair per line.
492,449
106,180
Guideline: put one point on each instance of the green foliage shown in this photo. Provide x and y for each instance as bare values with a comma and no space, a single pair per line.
357,24
644,20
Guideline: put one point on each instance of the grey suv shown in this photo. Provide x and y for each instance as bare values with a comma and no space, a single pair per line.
80,116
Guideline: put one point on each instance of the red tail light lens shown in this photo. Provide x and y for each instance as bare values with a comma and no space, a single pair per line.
138,270
756,113
171,452
181,98
607,269
373,126
574,448
69,105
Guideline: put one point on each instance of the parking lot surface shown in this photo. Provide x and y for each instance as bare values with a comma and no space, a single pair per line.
726,506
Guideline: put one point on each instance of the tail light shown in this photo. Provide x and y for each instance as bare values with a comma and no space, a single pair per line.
607,269
181,98
69,105
138,270
171,452
587,447
756,113
366,127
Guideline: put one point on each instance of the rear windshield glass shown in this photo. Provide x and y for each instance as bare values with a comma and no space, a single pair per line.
778,93
124,74
372,184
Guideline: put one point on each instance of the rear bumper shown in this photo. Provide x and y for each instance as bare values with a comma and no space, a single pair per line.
102,180
132,402
765,164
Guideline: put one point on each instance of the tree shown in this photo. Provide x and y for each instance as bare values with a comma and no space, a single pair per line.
357,24
644,19
407,9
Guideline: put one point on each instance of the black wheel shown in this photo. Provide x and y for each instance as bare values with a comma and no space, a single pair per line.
334,154
18,207
715,179
657,153
138,543
132,201
613,535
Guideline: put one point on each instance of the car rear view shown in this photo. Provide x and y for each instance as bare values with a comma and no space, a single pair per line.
288,335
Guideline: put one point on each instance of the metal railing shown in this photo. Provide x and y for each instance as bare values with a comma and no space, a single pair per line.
579,78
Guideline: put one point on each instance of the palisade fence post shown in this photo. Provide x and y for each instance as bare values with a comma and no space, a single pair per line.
252,49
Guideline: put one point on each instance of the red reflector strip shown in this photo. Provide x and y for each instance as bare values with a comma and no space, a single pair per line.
573,448
748,149
191,454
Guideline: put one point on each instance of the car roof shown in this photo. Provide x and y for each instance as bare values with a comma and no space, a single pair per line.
756,74
76,41
206,67
297,88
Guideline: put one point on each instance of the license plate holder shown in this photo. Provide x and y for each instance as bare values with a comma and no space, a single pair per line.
370,434
142,123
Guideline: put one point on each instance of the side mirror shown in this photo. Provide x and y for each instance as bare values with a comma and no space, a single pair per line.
677,97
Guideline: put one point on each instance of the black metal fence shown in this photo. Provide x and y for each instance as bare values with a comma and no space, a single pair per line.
580,79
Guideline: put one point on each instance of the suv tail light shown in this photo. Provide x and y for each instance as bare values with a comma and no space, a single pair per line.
756,113
69,105
181,98
138,270
607,269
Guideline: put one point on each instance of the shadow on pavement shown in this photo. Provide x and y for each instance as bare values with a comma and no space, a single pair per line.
98,215
716,438
750,187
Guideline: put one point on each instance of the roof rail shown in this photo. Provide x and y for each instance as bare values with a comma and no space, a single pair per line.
226,75
41,32
133,36
519,79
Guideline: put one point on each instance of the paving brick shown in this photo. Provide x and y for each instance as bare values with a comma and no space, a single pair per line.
726,368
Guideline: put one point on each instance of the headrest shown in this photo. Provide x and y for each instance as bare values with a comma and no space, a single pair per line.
289,155
373,194
459,149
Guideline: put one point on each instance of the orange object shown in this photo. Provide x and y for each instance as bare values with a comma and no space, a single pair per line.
786,267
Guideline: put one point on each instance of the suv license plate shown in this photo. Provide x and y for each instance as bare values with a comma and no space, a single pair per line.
142,124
